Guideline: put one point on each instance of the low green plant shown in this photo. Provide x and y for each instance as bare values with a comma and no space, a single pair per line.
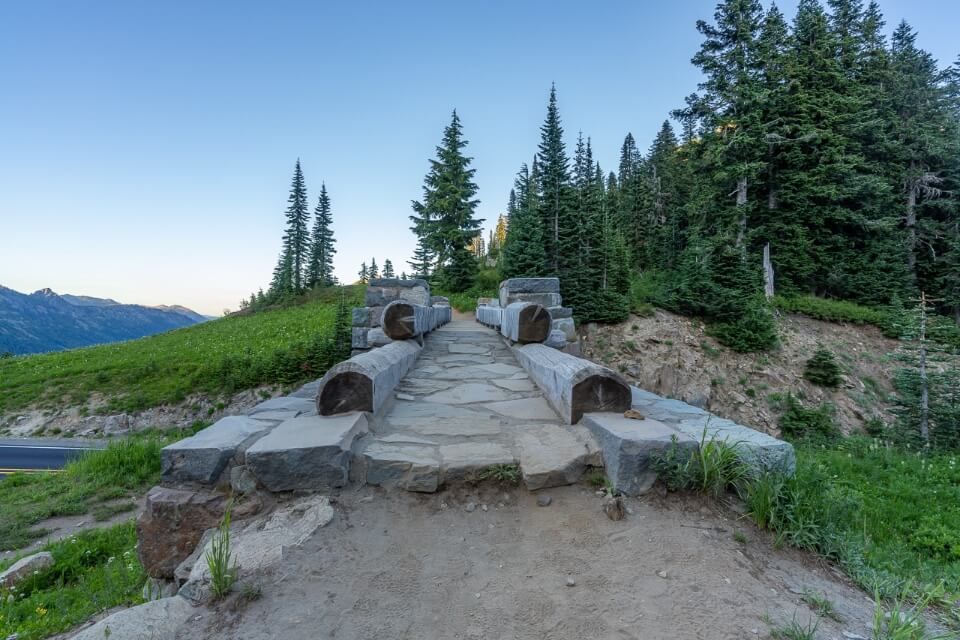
505,473
831,310
93,571
713,468
803,424
220,564
793,630
739,537
822,369
902,622
820,604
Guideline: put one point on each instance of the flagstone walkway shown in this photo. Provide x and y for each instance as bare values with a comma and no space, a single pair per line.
468,409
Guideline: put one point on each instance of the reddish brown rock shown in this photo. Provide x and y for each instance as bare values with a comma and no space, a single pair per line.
171,525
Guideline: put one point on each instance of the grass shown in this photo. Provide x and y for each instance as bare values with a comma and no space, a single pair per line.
223,571
820,605
466,302
793,630
103,481
888,516
217,357
505,473
93,571
713,468
832,310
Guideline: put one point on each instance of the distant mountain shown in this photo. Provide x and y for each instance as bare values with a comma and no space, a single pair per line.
45,321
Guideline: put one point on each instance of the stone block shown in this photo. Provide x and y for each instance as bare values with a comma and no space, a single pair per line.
560,312
376,313
360,317
383,291
289,404
308,390
490,316
630,447
439,301
557,339
466,461
171,525
202,458
568,328
359,338
531,285
309,453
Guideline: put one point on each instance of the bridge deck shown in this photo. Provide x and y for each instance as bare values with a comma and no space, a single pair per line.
465,407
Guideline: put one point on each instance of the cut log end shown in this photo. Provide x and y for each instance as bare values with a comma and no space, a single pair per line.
399,321
535,324
599,393
345,392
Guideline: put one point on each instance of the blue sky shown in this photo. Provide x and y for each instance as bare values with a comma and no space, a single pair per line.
146,148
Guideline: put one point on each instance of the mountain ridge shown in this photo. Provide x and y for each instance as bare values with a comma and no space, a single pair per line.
45,321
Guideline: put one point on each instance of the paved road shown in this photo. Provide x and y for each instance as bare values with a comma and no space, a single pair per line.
34,454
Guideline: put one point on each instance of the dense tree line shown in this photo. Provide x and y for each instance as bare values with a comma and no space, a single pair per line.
821,140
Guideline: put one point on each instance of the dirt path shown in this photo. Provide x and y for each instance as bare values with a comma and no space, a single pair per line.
398,565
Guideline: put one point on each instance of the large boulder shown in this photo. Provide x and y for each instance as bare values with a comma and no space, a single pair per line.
202,458
155,620
25,567
172,524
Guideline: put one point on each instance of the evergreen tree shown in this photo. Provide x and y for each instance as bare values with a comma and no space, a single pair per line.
445,217
388,269
322,249
554,185
422,262
296,239
373,272
364,273
523,250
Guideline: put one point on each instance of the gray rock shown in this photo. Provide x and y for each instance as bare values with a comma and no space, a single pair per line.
308,390
629,447
155,589
359,338
291,404
442,301
242,480
360,317
407,466
25,567
571,582
531,285
553,456
377,338
567,327
544,501
561,312
154,620
471,507
525,409
203,457
557,339
468,393
309,452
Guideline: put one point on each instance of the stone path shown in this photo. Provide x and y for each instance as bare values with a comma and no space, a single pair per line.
466,407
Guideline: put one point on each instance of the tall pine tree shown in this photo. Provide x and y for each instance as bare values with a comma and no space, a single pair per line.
322,249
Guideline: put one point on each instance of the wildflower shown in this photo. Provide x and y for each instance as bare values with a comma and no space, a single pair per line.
41,611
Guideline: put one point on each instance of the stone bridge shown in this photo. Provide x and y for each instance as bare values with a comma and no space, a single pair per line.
425,403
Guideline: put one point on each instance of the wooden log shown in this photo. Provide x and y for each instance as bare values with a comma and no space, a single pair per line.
404,320
489,316
365,381
526,322
573,386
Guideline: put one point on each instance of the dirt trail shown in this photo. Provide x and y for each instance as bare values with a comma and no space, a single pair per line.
398,565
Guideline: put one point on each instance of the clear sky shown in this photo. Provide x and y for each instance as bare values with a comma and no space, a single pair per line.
146,148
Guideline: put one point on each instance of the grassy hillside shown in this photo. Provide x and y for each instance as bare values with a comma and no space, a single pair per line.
219,357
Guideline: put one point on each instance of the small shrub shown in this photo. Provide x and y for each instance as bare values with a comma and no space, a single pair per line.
223,572
505,473
822,369
713,468
754,331
808,425
820,604
793,630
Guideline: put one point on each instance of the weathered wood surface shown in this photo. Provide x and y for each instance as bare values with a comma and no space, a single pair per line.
489,316
366,381
404,320
573,386
526,322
